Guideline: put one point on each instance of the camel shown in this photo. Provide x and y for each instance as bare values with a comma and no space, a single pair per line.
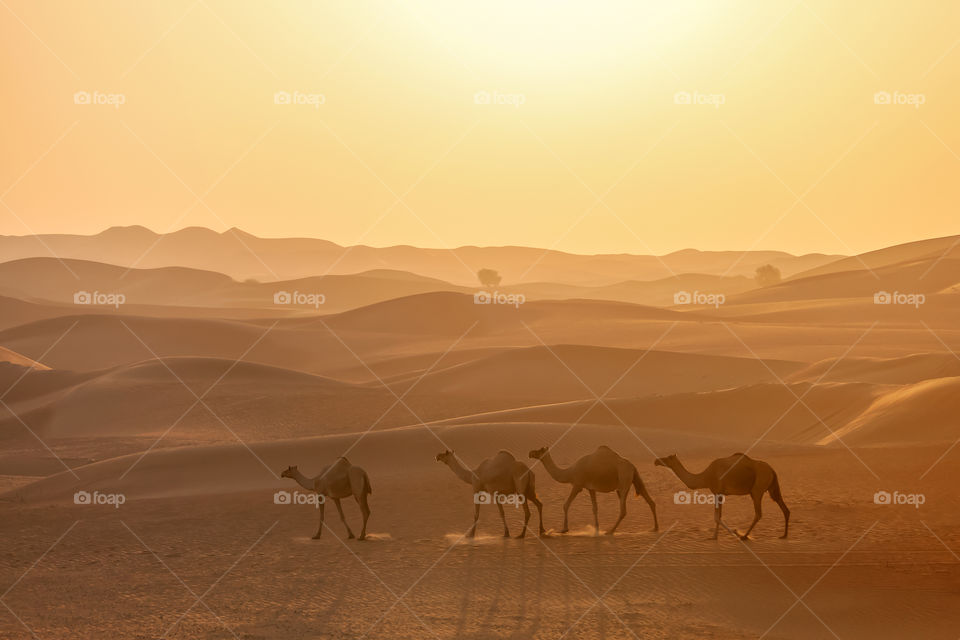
501,475
338,480
737,475
604,471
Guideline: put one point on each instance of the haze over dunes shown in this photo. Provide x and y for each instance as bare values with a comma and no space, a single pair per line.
479,320
193,383
242,256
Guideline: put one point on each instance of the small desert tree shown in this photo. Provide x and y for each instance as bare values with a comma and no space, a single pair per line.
488,277
767,275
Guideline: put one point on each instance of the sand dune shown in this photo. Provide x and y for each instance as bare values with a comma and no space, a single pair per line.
928,250
450,314
939,311
911,277
659,293
747,413
923,412
242,255
901,370
564,372
49,279
254,401
12,357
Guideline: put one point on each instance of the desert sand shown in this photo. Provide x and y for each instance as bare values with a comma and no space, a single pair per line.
177,413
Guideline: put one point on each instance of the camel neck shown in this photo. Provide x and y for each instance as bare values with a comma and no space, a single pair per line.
304,481
557,473
461,472
692,480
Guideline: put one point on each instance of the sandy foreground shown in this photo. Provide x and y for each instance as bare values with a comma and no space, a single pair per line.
211,556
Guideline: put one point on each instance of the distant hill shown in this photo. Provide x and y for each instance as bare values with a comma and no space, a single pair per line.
57,281
241,255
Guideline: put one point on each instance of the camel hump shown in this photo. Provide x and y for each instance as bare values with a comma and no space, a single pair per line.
605,452
505,453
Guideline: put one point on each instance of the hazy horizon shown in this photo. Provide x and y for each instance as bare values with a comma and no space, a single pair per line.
759,249
548,124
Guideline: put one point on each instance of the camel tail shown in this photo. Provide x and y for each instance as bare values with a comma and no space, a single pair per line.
366,484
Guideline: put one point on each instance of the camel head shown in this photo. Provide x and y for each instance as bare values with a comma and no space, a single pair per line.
289,472
538,453
669,461
446,455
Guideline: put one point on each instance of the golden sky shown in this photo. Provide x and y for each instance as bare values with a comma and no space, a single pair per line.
439,123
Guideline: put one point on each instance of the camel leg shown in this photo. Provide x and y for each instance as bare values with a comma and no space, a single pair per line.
653,506
596,514
536,501
717,514
623,511
757,512
526,519
566,507
365,510
320,528
778,498
336,501
503,516
476,519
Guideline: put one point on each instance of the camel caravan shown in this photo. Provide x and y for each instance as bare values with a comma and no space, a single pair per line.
502,479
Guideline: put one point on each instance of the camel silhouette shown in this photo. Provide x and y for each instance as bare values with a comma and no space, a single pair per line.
737,475
603,470
501,475
338,480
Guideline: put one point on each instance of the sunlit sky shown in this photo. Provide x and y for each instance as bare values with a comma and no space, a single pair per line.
438,123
